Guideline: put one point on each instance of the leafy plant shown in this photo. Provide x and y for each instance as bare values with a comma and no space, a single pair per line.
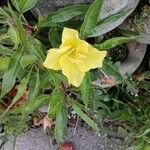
26,85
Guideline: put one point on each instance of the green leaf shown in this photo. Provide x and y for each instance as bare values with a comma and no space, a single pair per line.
127,32
3,37
144,85
63,15
23,5
16,4
34,85
68,13
48,23
146,75
116,41
36,49
56,101
85,88
61,124
91,19
105,25
14,36
103,106
21,88
111,69
10,75
144,133
34,104
139,146
4,63
88,120
22,34
27,60
5,50
55,77
45,80
54,37
147,147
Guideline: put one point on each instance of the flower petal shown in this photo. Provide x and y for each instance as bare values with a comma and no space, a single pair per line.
82,46
53,56
71,71
94,59
69,37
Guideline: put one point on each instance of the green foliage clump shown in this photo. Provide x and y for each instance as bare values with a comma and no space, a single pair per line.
22,52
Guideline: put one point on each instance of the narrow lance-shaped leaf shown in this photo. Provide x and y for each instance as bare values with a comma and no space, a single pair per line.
27,60
23,5
88,120
54,77
5,50
63,15
14,36
111,69
22,35
9,77
16,4
22,87
26,5
68,13
144,133
33,104
48,22
91,19
56,101
54,37
144,38
61,124
34,85
105,25
4,36
85,88
4,63
116,41
36,49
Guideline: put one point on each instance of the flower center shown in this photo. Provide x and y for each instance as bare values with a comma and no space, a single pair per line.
75,57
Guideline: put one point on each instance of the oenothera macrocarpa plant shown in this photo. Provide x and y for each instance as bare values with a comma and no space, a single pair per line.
64,71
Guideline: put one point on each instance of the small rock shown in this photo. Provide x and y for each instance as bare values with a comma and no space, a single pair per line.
67,146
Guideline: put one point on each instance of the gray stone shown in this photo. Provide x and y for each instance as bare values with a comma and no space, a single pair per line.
46,6
137,50
136,55
83,140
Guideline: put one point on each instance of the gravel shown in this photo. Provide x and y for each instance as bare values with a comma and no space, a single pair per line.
84,139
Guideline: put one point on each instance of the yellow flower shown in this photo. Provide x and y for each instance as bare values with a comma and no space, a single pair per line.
74,57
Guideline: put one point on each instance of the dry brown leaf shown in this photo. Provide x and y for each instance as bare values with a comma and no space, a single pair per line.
37,121
11,94
47,122
110,80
